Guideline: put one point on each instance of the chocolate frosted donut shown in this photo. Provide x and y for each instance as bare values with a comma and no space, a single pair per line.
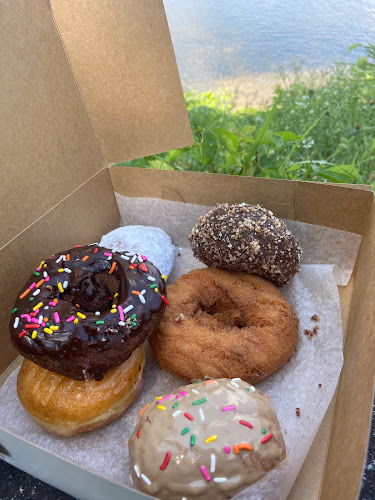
205,441
246,238
85,310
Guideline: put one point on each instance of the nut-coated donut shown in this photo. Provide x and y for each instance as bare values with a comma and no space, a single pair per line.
225,324
85,310
247,238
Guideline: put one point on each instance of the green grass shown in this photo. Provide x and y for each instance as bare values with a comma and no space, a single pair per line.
320,128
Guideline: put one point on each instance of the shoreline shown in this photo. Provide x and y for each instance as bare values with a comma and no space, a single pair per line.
255,89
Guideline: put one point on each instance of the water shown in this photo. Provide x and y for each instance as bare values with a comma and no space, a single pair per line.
215,39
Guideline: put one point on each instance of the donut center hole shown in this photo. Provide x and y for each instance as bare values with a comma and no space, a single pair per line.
223,310
94,292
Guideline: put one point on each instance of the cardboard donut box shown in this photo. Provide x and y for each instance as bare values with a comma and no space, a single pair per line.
87,84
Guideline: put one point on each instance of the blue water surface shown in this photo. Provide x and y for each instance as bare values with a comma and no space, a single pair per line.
214,39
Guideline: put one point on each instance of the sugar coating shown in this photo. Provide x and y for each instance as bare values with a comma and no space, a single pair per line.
246,238
152,242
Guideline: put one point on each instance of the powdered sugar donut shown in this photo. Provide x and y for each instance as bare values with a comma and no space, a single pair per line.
153,242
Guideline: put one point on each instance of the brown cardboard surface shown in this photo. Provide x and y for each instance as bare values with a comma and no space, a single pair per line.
350,429
81,218
123,60
346,209
205,189
322,204
48,146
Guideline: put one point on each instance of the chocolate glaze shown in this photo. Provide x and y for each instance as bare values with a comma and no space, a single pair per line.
159,431
84,349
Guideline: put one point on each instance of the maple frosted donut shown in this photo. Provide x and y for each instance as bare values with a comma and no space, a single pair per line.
148,240
247,238
205,441
85,310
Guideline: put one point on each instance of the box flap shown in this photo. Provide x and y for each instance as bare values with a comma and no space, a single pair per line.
122,57
48,146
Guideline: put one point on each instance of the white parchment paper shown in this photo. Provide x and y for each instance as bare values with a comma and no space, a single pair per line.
296,385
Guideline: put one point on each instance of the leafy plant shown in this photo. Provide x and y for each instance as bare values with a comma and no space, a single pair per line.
320,128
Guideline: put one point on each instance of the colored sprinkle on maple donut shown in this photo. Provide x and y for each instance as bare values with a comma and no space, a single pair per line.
166,460
228,408
247,424
267,438
205,473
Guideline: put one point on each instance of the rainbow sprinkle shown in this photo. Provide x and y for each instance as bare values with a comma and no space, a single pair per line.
267,438
205,473
247,424
199,401
228,408
166,460
166,397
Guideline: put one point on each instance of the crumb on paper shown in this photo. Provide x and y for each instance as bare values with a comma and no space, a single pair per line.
298,412
315,317
311,333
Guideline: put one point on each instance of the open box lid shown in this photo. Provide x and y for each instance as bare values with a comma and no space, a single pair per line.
84,84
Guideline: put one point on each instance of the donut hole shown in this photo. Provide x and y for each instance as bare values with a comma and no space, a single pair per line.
221,312
94,292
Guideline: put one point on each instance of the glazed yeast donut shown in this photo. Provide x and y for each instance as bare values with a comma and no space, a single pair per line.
247,238
225,324
67,407
84,311
205,441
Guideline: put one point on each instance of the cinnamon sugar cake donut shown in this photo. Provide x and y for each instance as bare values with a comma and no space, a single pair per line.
225,324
